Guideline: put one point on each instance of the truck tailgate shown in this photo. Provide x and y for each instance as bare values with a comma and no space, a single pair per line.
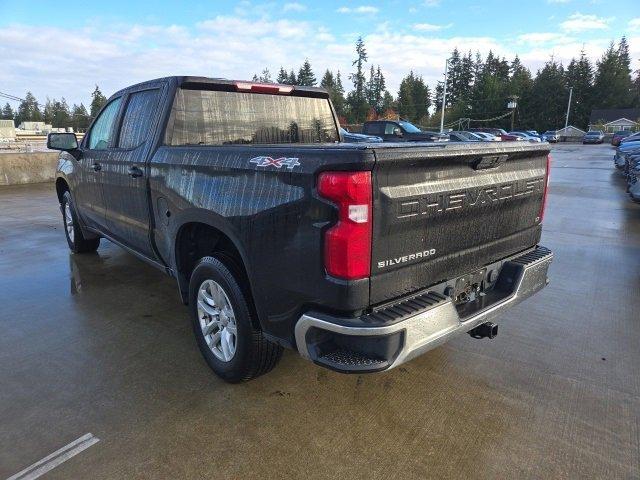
441,211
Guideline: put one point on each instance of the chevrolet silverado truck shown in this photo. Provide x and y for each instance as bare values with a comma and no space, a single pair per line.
280,235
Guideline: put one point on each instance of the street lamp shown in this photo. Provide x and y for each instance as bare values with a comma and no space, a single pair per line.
444,95
512,105
566,120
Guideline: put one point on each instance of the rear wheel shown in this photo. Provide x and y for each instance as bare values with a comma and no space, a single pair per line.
222,319
75,238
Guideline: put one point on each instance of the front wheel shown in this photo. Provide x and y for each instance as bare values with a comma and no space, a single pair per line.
75,238
223,323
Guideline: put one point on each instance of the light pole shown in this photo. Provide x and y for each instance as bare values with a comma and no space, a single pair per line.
512,105
444,95
566,120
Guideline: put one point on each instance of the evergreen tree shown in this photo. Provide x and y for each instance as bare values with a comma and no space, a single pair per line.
453,77
28,110
283,77
612,86
636,90
305,75
414,99
579,76
333,84
421,97
61,114
79,117
47,111
491,89
7,112
520,84
356,99
549,97
292,78
375,90
264,77
98,100
406,103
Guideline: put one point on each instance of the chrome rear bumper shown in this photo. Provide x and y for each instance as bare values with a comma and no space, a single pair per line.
433,325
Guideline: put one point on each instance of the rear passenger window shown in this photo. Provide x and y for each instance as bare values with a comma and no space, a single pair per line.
138,117
375,128
102,129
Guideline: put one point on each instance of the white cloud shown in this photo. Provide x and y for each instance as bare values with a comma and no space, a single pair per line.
580,23
62,62
540,38
634,23
361,9
430,27
294,7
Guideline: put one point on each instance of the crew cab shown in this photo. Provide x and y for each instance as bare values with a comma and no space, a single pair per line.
279,235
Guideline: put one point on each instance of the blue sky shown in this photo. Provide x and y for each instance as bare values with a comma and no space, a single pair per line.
64,48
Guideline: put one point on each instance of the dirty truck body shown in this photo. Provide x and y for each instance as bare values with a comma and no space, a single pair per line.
360,256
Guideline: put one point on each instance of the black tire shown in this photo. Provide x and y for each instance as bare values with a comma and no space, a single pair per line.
78,243
254,354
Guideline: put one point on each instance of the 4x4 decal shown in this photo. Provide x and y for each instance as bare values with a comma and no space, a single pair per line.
289,163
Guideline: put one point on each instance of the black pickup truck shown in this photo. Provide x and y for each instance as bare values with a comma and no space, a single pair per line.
360,256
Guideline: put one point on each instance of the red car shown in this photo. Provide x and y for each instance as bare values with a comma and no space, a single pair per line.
618,136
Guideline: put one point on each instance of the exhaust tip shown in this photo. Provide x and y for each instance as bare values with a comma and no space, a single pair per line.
485,330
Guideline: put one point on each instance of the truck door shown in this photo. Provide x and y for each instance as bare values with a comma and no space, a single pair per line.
87,192
125,173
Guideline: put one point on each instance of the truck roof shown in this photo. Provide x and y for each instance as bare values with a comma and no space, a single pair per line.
220,83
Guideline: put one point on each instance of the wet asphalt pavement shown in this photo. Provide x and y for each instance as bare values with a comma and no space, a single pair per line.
101,344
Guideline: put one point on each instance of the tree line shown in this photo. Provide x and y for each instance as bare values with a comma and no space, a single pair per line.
478,89
56,113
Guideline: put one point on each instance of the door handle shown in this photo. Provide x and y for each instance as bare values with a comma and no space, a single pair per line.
96,167
135,172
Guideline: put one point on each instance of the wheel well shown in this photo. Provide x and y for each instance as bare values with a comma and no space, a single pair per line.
61,187
197,240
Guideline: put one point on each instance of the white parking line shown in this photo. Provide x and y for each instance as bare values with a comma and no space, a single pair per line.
56,458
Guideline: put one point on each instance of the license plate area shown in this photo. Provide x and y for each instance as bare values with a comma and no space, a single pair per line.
468,288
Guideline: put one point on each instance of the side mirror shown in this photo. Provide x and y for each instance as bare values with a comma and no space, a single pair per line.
397,131
62,141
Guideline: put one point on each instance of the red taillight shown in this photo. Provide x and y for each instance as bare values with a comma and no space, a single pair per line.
263,87
546,189
347,245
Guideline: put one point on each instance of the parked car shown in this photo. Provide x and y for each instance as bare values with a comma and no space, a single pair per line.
498,132
633,180
634,137
618,136
401,131
593,136
350,137
526,136
487,136
623,152
550,136
463,137
280,236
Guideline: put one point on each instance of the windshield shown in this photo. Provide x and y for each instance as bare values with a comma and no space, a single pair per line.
409,127
211,117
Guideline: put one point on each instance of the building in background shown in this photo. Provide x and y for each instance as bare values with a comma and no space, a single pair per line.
570,134
615,119
7,131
